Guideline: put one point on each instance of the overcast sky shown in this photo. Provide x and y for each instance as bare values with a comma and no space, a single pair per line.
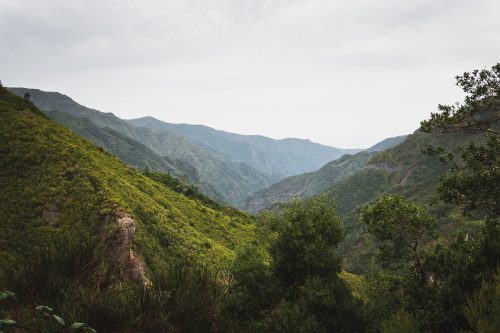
342,73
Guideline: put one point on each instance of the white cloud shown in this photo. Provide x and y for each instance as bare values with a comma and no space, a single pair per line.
344,73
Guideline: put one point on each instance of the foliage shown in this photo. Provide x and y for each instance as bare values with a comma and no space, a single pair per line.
483,306
42,320
309,232
450,272
181,186
402,227
482,88
61,199
475,171
400,322
300,290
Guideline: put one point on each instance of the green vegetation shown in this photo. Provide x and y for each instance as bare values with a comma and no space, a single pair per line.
308,184
221,177
301,288
451,286
127,250
76,222
133,152
41,320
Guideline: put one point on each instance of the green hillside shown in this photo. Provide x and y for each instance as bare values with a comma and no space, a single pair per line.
217,175
313,183
387,143
57,187
308,184
133,152
80,231
406,170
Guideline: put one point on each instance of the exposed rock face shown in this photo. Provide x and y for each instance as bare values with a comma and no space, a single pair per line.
385,166
407,176
131,266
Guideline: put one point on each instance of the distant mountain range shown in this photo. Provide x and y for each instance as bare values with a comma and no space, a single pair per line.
280,158
225,166
60,191
313,183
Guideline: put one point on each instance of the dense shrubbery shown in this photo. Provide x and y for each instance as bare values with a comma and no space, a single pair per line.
298,289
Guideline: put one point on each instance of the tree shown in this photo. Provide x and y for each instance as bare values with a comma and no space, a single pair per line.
402,227
305,263
300,290
307,241
448,273
479,109
253,289
483,306
474,176
473,182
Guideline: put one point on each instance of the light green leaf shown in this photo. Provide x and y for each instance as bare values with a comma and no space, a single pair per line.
7,294
59,320
44,308
77,326
89,330
7,322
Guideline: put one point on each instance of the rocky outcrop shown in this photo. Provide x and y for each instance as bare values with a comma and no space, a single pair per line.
130,265
407,176
385,166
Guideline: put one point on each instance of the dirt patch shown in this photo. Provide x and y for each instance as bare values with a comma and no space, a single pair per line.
51,213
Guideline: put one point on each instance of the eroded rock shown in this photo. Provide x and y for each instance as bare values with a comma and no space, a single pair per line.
130,264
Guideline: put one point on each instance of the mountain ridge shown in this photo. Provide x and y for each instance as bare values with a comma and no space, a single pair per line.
282,157
313,183
231,180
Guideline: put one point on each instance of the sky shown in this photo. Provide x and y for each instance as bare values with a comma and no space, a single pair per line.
341,73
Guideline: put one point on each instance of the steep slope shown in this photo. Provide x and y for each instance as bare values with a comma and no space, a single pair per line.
232,180
313,183
405,170
58,188
308,184
132,152
387,143
283,158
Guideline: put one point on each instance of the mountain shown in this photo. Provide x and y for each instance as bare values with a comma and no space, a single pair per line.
61,192
307,184
313,183
387,143
404,170
107,244
355,180
281,158
217,175
133,152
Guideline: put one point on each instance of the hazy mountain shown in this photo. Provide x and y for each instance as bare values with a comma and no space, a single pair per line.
307,184
387,143
232,180
312,183
59,191
283,158
133,152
